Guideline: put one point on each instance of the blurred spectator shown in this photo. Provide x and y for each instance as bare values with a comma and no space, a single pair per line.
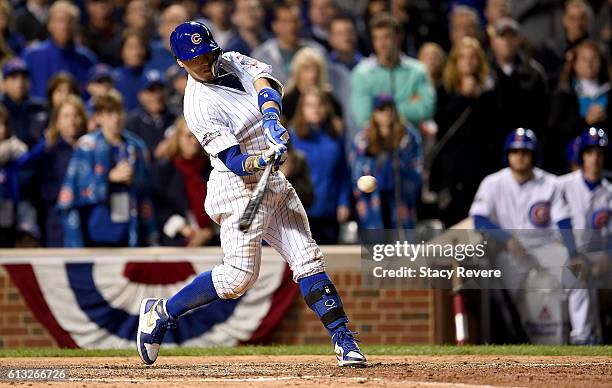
217,18
177,82
60,52
105,196
495,10
31,20
61,86
308,69
323,146
49,160
320,15
401,10
27,115
603,26
192,8
102,34
11,148
577,20
100,82
343,42
130,76
11,42
389,72
279,51
434,58
373,8
354,8
295,168
583,98
161,55
520,84
151,119
540,19
464,21
249,19
389,151
138,15
180,190
469,139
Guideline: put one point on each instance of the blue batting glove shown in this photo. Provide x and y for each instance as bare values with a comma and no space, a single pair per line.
275,133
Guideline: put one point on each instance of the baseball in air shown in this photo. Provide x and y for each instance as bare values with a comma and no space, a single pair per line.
366,183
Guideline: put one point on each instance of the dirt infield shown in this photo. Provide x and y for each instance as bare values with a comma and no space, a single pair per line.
304,371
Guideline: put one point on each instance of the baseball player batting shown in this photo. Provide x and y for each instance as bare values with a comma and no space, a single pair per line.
232,105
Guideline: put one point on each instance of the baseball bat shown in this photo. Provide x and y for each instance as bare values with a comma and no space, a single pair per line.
256,197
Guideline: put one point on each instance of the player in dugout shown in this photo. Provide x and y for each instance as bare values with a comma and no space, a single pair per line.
520,206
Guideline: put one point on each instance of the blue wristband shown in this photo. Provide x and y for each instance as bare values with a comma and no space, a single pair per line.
267,95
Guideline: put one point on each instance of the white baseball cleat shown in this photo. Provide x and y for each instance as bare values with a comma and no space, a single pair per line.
347,350
152,324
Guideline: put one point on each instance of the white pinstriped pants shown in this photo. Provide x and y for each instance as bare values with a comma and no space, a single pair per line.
281,220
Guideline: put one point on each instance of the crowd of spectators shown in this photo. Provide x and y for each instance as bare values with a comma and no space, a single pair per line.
94,150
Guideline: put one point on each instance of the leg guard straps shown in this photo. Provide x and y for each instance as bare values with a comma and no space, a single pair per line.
325,301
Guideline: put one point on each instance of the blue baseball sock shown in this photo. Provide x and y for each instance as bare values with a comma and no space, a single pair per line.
199,292
321,296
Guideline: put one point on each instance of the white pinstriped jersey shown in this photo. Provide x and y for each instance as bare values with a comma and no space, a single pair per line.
535,205
220,116
591,210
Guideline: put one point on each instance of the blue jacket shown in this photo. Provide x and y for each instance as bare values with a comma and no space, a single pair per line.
328,170
128,81
49,166
86,190
370,206
46,59
28,119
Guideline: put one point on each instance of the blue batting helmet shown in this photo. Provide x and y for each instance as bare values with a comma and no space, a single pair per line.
592,137
521,139
192,39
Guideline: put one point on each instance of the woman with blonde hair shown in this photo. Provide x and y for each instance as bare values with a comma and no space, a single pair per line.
179,180
467,70
434,58
308,69
49,160
469,141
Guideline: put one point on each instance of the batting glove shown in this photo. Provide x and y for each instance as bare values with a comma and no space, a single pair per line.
275,133
275,152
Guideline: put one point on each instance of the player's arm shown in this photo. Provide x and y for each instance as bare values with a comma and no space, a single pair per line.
269,99
241,164
560,214
483,211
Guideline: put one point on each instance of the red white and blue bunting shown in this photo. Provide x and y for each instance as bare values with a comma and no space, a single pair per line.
92,301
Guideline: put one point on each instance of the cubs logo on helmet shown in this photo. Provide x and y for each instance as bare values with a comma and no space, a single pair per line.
192,39
539,214
600,218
